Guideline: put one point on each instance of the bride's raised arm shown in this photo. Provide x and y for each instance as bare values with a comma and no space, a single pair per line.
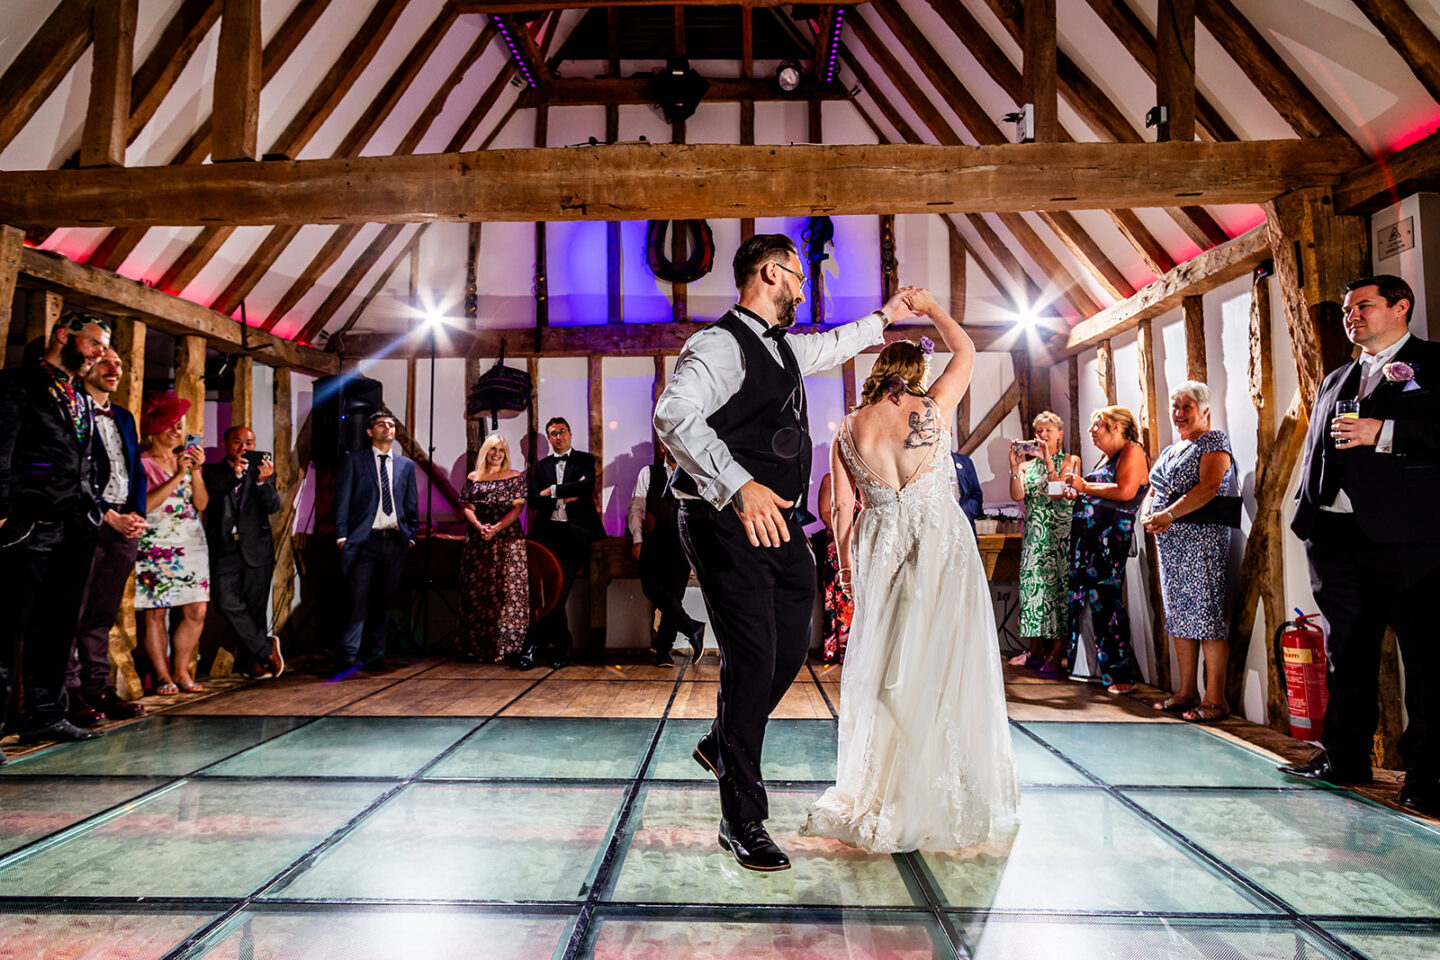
842,509
951,385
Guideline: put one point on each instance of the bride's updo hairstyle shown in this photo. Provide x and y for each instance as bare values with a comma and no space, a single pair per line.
899,369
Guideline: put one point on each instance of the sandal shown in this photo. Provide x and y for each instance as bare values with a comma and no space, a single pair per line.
1021,660
1176,704
1120,688
191,688
167,689
1048,670
1206,713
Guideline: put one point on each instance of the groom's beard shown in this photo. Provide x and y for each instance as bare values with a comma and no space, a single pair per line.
784,310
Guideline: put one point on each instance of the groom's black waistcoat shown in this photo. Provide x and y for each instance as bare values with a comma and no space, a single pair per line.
765,424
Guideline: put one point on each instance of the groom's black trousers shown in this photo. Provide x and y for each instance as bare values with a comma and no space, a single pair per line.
759,600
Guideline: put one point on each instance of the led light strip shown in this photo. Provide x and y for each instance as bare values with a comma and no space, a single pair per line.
833,64
515,51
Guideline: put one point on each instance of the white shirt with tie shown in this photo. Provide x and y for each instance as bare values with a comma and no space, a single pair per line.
381,521
1372,371
117,487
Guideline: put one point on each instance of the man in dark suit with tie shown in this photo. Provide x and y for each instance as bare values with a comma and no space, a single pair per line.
562,496
377,515
49,519
121,484
1369,510
242,549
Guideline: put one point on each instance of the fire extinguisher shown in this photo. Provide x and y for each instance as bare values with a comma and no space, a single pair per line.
1300,656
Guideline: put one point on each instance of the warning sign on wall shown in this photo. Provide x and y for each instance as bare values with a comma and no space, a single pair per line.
1395,239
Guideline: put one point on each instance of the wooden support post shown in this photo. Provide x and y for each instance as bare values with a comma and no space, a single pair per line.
1072,367
1041,57
657,387
190,380
12,242
1175,68
107,121
1150,437
474,429
747,107
1105,370
236,110
1261,368
595,371
242,397
1316,253
1020,362
1192,308
532,415
849,389
541,285
959,264
42,309
889,265
128,339
291,462
992,419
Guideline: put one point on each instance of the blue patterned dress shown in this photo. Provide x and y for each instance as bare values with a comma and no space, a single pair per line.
1193,556
1100,535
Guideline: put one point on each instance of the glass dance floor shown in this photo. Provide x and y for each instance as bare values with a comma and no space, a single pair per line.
527,836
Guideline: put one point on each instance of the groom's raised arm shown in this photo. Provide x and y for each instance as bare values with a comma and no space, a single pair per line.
708,373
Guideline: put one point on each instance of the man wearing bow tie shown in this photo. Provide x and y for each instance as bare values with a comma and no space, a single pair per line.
1368,508
735,417
376,517
562,496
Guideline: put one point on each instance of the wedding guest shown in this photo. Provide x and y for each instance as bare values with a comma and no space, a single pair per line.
120,481
1101,531
494,575
173,564
1194,545
967,487
1044,544
653,522
49,520
242,561
839,606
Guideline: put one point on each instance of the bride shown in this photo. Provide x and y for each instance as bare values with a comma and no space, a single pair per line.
925,758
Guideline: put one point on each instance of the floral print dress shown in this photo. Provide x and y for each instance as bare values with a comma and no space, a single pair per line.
494,575
1193,556
1044,555
172,567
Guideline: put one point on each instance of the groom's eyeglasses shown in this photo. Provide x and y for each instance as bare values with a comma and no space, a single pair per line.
797,276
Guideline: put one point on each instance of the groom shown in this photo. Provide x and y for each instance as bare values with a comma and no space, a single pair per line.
734,416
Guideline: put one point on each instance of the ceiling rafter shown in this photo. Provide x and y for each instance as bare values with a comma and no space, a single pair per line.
981,127
117,245
372,253
42,63
306,122
336,342
1410,37
275,242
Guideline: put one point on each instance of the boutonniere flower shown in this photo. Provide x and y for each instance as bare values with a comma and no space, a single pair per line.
1398,371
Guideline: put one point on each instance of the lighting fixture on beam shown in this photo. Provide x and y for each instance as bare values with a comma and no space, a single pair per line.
677,90
788,76
508,32
832,65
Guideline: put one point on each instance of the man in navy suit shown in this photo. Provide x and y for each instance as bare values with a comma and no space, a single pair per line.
1368,509
121,485
972,498
377,514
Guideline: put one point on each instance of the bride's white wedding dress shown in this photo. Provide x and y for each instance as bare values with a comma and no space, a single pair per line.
925,759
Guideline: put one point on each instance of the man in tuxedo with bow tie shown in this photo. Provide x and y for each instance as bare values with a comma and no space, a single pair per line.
562,496
377,514
1369,510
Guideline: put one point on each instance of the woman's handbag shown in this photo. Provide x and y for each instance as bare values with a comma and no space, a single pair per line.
1221,510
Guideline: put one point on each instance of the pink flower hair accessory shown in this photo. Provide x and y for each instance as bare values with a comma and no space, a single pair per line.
1398,371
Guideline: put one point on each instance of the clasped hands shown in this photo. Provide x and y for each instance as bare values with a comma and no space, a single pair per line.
1351,432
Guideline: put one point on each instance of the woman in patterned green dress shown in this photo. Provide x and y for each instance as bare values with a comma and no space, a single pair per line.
1045,545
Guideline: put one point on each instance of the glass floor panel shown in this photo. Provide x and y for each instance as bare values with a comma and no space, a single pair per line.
543,747
853,934
468,842
371,933
1082,850
1036,765
794,750
113,935
195,839
1323,852
671,854
1389,941
155,746
1163,754
31,809
349,747
1105,938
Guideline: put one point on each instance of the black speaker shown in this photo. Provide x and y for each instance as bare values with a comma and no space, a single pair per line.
342,404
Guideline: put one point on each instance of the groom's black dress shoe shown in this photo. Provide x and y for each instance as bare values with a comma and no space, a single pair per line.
1321,767
697,642
704,754
1422,796
752,847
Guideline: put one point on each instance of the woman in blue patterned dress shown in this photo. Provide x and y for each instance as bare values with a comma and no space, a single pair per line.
1100,533
1187,475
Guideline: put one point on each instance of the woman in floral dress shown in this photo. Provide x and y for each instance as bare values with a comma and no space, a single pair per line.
1044,547
173,562
494,575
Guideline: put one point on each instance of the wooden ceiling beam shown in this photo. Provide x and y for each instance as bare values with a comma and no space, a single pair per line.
1411,37
645,181
119,244
1198,275
528,6
1388,179
1040,88
598,91
1175,69
236,109
42,63
1267,70
335,343
107,119
119,296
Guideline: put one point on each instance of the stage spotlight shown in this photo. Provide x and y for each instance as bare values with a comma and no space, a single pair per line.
677,90
788,76
433,319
